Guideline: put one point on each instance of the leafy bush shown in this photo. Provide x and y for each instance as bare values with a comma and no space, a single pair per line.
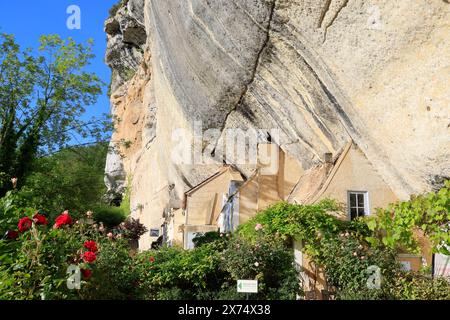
110,216
208,237
211,270
71,179
134,229
114,277
430,213
267,260
345,249
173,270
35,265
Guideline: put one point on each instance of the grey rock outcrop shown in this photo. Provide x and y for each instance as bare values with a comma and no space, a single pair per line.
126,37
322,72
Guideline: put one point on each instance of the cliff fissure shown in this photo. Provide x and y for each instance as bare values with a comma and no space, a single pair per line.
321,73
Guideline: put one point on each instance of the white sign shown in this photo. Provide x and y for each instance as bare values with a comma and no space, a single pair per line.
247,286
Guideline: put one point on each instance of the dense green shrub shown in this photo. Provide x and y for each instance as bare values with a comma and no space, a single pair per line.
211,270
110,216
115,277
35,265
267,260
346,249
430,213
71,179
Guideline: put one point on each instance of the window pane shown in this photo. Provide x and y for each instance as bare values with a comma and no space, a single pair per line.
361,212
353,213
352,200
361,200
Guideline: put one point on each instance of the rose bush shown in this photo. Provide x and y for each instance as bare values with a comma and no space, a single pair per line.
34,263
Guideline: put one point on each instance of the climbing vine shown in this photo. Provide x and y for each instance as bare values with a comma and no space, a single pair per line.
399,225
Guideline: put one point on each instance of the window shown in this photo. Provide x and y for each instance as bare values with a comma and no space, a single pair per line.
154,233
358,204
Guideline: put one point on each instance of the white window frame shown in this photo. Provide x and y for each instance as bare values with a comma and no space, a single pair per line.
366,202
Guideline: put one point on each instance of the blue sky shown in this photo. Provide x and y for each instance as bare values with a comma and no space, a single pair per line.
29,19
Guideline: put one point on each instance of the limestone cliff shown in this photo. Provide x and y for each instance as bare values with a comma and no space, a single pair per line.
321,71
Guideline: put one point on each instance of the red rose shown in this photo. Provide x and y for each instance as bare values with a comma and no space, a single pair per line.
151,259
91,246
62,220
89,257
86,273
12,235
39,219
25,224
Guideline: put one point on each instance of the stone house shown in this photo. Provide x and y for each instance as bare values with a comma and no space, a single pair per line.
226,199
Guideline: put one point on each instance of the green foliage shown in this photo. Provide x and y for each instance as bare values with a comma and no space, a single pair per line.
211,270
416,286
345,249
267,260
168,271
71,179
115,277
43,94
116,7
208,237
12,207
35,265
110,216
429,213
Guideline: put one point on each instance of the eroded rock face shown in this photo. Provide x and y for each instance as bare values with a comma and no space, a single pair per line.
126,36
322,72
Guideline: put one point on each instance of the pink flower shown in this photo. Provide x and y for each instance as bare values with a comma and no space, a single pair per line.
151,259
258,227
110,235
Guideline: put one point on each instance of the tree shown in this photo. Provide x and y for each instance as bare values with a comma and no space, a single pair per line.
43,93
70,179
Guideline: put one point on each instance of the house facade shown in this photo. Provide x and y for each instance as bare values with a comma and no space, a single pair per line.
228,199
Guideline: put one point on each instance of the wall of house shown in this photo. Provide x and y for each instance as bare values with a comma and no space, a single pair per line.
356,173
288,175
175,228
268,186
248,200
201,201
353,172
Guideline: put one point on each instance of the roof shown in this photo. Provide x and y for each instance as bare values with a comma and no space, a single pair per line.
313,183
222,170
